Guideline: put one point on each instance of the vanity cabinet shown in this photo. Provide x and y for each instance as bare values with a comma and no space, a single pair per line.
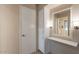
55,47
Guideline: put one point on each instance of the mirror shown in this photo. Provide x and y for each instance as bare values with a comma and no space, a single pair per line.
61,23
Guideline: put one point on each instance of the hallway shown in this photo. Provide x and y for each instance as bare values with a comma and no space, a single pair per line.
39,29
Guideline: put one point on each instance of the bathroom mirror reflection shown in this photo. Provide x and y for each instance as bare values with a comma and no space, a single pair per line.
61,23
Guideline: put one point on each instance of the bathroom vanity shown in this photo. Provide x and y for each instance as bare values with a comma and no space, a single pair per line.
64,41
64,32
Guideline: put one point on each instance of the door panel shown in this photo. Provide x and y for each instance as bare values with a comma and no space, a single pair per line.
28,31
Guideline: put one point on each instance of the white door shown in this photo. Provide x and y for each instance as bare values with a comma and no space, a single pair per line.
28,30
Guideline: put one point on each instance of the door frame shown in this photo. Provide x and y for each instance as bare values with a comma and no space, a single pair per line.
20,30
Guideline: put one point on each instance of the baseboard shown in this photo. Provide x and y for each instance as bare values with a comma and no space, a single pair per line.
36,52
40,51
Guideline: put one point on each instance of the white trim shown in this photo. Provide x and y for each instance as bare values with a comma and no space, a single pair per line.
20,30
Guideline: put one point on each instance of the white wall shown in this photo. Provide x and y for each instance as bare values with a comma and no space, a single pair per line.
75,22
41,30
9,29
41,38
47,21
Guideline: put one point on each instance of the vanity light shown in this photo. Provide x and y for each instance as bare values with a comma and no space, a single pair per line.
49,24
76,23
76,27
